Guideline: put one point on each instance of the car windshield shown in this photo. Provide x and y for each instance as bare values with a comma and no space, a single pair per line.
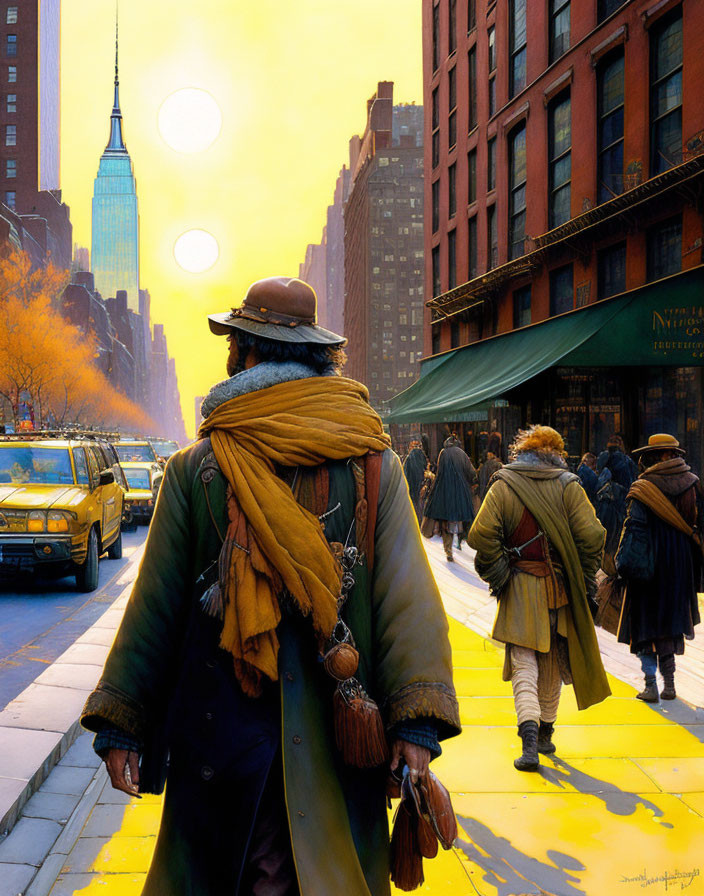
164,447
44,466
135,452
138,478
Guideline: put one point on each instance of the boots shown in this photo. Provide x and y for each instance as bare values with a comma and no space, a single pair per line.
459,542
667,668
529,760
649,694
545,744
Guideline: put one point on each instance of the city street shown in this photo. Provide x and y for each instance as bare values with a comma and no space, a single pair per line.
619,807
40,617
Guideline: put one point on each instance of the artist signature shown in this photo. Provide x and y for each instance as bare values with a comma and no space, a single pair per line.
670,878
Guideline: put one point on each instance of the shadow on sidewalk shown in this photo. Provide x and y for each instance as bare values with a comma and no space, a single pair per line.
512,872
616,801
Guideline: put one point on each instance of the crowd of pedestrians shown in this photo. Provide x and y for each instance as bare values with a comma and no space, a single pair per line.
560,548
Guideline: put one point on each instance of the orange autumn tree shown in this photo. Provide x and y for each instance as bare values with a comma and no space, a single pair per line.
45,357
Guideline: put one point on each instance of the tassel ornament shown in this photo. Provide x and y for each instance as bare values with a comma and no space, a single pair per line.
212,602
359,728
406,860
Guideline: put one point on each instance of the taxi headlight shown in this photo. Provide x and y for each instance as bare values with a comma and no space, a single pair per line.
36,521
58,521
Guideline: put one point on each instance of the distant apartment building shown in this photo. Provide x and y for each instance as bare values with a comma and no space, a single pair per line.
30,127
383,243
314,271
335,254
564,232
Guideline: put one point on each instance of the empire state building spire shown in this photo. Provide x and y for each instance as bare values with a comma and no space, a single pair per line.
116,142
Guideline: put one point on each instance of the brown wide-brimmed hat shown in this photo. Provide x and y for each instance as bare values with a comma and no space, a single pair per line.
661,441
280,308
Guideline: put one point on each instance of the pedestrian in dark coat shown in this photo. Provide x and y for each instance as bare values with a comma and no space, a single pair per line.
215,678
587,475
414,467
661,563
623,469
451,500
616,472
486,471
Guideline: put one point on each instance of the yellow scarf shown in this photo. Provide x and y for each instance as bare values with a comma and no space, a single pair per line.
275,543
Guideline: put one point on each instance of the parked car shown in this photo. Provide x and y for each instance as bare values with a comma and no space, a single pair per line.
135,451
164,448
61,501
143,480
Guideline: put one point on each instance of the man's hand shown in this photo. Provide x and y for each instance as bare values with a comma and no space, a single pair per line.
416,758
123,768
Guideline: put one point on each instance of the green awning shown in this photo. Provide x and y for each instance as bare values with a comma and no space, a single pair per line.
661,324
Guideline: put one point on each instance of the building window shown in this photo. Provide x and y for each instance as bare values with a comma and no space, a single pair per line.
436,36
11,168
666,94
436,128
559,28
611,264
517,192
453,25
435,340
491,164
454,334
10,135
517,44
560,159
665,249
606,7
561,290
11,45
436,204
452,92
472,69
492,70
12,102
11,199
12,74
452,259
452,189
492,238
610,128
11,15
521,307
435,255
472,271
472,176
471,15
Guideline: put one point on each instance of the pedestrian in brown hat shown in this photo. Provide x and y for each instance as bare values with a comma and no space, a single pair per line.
660,558
278,647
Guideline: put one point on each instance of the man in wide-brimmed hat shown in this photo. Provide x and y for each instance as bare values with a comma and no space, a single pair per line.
284,536
539,547
660,558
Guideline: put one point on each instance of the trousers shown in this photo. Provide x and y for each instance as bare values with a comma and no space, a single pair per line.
536,682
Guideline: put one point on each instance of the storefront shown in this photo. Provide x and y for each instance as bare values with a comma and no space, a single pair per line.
632,364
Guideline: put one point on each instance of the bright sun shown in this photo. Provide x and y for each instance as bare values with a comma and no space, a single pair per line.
196,251
190,120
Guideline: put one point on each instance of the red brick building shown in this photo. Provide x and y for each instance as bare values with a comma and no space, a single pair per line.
563,240
29,125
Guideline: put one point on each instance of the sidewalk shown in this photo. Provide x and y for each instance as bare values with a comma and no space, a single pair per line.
619,808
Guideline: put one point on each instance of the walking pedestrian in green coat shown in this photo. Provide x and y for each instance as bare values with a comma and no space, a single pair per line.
215,682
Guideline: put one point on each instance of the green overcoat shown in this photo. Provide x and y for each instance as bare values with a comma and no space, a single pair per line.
563,512
337,815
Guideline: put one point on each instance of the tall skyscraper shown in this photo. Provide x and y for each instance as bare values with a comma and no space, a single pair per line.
115,237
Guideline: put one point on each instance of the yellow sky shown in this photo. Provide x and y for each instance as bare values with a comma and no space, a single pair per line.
292,78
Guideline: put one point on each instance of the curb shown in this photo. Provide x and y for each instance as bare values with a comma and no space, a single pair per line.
39,726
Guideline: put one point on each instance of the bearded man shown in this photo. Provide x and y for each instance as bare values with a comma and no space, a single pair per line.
217,662
539,547
660,558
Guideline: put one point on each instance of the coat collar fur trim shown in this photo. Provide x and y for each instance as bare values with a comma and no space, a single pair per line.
261,376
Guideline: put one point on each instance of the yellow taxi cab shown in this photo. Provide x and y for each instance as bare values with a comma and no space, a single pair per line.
61,500
136,451
143,480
